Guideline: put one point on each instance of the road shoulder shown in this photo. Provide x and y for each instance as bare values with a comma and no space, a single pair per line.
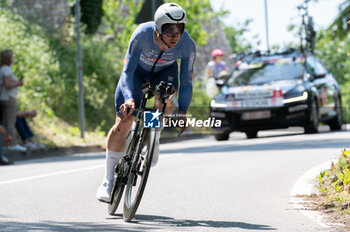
303,198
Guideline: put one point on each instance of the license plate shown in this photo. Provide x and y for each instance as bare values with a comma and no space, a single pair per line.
257,103
256,115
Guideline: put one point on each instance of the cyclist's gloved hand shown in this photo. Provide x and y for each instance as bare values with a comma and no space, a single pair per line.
181,116
128,107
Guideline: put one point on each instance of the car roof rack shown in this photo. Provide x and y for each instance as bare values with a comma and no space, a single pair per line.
261,55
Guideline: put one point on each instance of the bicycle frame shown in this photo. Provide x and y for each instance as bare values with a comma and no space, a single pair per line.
133,149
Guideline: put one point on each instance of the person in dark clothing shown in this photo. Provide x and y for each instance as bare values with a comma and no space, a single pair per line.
24,130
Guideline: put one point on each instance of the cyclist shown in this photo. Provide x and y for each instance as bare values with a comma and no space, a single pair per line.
217,65
214,69
151,57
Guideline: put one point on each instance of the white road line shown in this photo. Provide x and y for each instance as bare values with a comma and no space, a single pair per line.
66,172
69,171
51,174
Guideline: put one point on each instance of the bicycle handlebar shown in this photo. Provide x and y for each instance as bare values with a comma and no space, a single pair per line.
165,90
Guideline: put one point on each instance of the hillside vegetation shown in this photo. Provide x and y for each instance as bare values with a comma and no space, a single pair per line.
48,63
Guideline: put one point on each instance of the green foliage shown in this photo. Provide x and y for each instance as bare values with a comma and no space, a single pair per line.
91,14
100,78
119,24
335,182
197,11
33,59
339,27
335,53
49,63
333,47
235,37
49,67
200,104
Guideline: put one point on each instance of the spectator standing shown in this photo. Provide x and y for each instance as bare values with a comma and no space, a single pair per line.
8,97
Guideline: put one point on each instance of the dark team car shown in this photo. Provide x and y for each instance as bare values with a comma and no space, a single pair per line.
277,91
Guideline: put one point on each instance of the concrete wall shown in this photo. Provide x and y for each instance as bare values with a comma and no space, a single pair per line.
49,13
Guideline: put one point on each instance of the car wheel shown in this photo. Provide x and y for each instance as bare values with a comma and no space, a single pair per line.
222,136
337,122
312,126
251,134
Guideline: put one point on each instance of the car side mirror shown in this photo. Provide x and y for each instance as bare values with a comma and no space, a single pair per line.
318,76
220,83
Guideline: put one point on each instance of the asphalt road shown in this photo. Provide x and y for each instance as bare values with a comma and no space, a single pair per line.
198,185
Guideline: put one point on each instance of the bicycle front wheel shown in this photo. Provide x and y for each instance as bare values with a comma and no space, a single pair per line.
117,193
119,177
138,176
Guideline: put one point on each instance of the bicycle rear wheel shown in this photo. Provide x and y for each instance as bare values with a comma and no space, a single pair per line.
138,176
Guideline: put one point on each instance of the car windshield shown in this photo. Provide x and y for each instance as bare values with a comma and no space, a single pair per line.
264,73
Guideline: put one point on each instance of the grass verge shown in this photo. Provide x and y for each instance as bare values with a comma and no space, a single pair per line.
334,184
54,132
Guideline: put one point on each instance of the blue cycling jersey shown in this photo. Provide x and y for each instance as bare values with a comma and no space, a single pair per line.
143,51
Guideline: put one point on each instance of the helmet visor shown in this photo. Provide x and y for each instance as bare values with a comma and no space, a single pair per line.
172,29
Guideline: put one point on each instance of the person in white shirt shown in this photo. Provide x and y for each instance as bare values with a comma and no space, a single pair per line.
8,97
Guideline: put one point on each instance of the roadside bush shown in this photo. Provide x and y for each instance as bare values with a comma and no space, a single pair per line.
335,55
100,75
49,66
334,184
199,107
33,59
48,63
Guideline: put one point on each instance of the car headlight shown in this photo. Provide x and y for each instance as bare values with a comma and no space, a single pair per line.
215,104
302,97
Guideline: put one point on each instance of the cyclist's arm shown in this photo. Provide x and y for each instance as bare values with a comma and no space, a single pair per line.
186,73
130,64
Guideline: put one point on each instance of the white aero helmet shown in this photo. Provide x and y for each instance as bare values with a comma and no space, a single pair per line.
169,13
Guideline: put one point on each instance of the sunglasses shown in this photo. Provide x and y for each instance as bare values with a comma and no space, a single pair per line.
172,30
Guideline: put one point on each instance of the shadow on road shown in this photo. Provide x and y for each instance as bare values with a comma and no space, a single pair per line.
10,226
140,223
161,221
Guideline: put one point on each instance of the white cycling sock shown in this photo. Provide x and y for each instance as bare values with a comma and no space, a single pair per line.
156,148
112,159
158,131
158,135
